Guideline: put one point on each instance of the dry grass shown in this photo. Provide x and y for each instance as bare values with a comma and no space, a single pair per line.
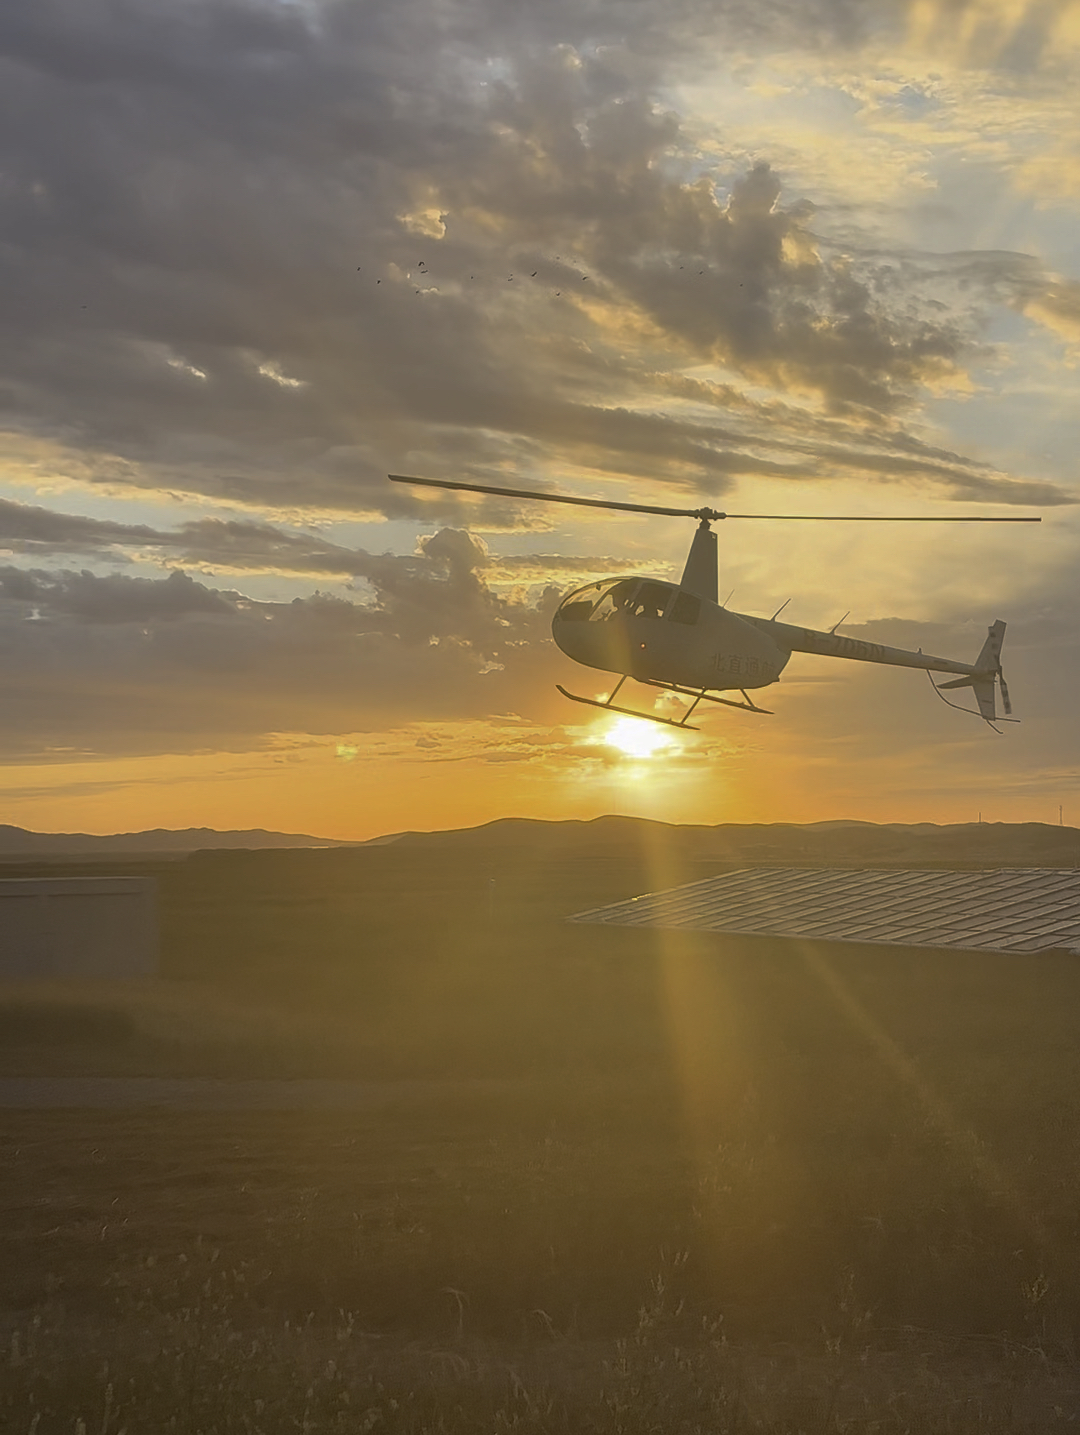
648,1185
194,1369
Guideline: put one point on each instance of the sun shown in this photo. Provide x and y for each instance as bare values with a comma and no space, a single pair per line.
637,738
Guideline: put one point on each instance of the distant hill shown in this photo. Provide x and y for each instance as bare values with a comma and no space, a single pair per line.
843,843
614,838
19,842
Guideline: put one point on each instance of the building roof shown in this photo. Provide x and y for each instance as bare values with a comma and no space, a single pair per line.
1010,910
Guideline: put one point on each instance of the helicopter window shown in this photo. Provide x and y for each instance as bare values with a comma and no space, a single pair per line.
577,611
617,599
686,609
577,606
651,600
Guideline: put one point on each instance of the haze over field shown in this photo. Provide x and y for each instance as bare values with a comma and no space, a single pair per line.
256,254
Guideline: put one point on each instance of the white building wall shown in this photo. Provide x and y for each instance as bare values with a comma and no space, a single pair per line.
102,927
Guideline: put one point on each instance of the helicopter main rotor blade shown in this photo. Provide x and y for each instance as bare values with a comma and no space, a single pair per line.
708,515
555,497
882,517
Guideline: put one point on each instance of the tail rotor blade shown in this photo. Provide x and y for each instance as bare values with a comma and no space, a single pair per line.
1006,704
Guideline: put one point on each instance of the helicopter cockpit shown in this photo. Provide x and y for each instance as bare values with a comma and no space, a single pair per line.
629,598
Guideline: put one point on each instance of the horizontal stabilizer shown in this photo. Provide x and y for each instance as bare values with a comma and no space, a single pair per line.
983,685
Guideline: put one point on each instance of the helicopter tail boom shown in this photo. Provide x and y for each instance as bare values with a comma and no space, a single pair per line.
983,676
835,645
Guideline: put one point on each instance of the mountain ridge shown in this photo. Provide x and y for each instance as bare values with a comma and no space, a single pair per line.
748,838
20,841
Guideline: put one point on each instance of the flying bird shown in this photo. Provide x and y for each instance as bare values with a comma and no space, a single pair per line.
534,274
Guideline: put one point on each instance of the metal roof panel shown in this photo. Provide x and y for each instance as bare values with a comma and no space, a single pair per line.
1011,909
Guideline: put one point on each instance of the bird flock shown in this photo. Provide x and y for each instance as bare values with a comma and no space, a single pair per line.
421,269
567,275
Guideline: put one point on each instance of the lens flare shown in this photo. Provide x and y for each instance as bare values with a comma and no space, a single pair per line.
638,738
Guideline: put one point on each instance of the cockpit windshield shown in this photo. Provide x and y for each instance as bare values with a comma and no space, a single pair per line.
596,599
616,598
630,597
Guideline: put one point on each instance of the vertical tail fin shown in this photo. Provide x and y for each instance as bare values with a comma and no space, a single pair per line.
989,663
989,659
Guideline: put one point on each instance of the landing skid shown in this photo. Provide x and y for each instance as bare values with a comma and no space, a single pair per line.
747,706
610,706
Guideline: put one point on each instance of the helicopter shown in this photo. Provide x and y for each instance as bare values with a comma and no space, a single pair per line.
679,637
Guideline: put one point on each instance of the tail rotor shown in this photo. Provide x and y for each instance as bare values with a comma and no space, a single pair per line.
1005,703
985,673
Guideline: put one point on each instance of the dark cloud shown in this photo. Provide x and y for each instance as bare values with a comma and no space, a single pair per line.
32,529
115,663
112,599
239,546
211,279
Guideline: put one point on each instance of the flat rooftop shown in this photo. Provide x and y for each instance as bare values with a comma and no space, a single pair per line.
1033,909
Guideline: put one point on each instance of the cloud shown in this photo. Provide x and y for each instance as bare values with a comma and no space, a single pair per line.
170,664
244,547
1013,35
264,253
113,599
1055,303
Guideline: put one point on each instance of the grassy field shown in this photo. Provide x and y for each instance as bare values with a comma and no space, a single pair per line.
614,1181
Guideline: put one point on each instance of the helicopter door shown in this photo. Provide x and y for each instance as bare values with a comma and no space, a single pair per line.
685,609
651,599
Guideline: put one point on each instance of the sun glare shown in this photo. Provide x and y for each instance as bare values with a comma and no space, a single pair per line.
637,738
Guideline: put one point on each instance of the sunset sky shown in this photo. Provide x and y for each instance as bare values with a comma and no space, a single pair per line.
771,255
